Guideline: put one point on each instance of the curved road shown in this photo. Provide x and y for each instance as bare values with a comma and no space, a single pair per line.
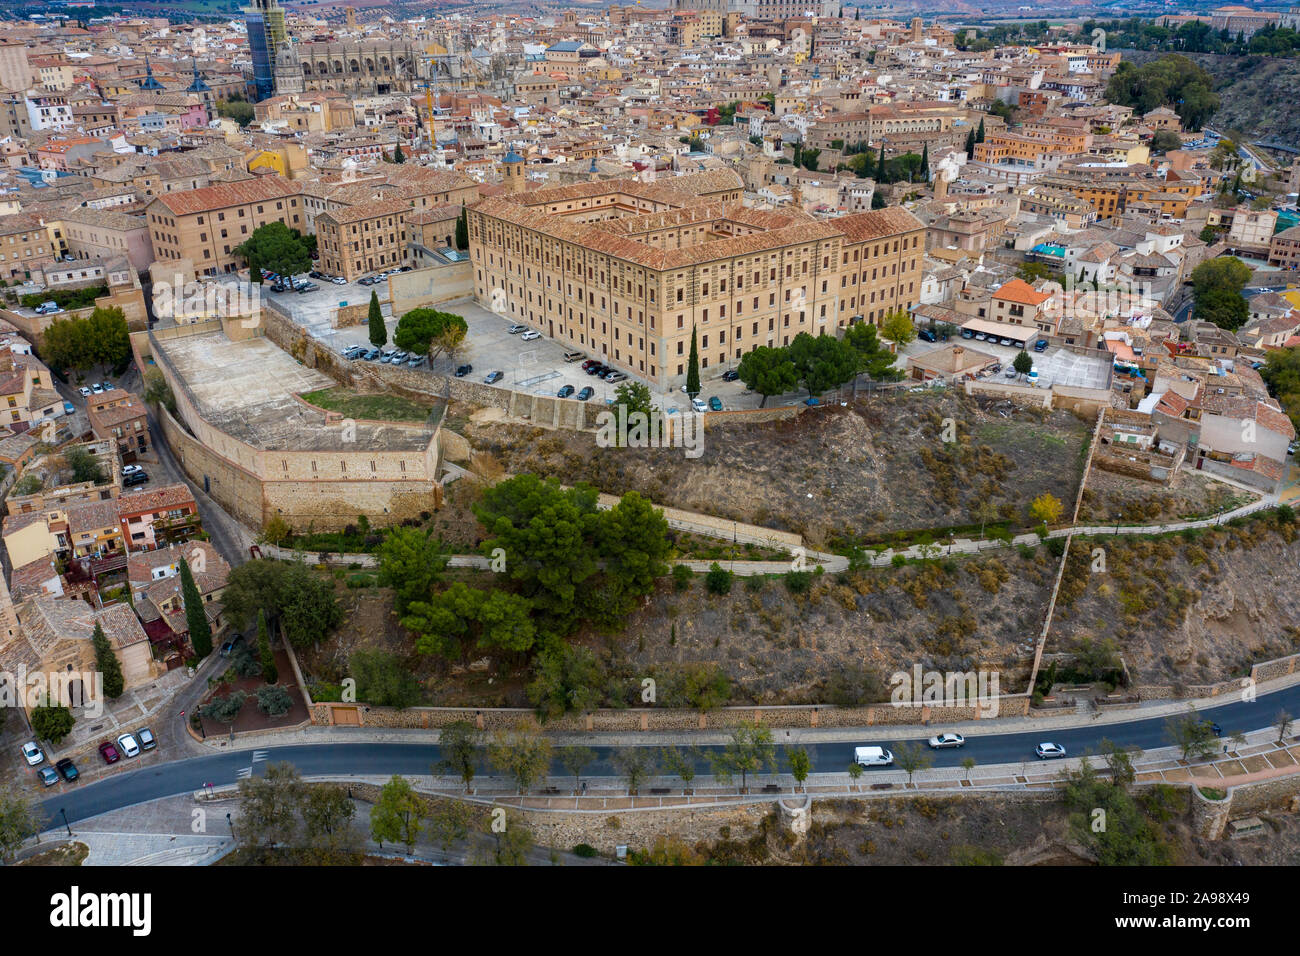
191,774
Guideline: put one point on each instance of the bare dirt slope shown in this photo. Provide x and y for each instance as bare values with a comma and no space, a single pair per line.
835,475
1195,608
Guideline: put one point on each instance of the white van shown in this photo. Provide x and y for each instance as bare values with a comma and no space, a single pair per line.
872,757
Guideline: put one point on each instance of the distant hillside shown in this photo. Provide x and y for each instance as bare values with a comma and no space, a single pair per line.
1259,94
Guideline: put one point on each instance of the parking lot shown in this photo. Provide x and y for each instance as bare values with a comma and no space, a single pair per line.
535,366
1056,366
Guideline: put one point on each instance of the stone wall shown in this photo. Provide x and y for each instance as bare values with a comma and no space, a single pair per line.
665,719
1020,394
231,486
431,286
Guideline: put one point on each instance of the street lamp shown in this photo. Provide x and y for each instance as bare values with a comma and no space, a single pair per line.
65,820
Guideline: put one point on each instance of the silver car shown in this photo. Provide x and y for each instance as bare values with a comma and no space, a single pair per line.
946,741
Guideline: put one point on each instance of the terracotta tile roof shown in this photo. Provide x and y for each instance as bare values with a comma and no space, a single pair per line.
225,195
1020,291
156,499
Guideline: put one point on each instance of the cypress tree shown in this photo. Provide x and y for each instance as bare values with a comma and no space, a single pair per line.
925,163
398,155
269,672
106,662
462,230
970,144
693,369
979,135
880,165
378,334
195,619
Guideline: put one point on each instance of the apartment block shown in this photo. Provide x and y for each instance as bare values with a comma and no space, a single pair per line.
206,225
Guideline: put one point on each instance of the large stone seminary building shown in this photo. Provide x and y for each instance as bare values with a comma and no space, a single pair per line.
625,270
257,448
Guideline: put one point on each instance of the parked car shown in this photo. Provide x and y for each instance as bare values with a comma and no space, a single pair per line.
516,329
463,370
586,392
356,352
97,389
946,741
573,356
494,377
926,335
565,392
967,334
339,280
597,369
530,335
588,364
1049,751
135,478
415,361
32,753
49,776
980,337
127,744
109,752
1004,342
48,308
872,757
315,275
68,769
372,355
85,392
146,738
698,404
1010,372
307,287
730,375
1040,345
615,377
130,469
228,648
69,408
715,403
279,287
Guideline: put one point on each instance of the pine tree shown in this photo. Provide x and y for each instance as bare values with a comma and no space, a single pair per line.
462,230
398,155
925,163
106,662
269,672
693,368
195,619
979,135
378,334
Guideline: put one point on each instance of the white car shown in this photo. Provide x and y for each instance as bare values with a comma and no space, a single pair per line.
130,470
530,335
339,280
944,741
85,391
32,753
128,745
97,389
1049,751
698,405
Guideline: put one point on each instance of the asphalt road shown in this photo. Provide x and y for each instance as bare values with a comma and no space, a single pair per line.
191,774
